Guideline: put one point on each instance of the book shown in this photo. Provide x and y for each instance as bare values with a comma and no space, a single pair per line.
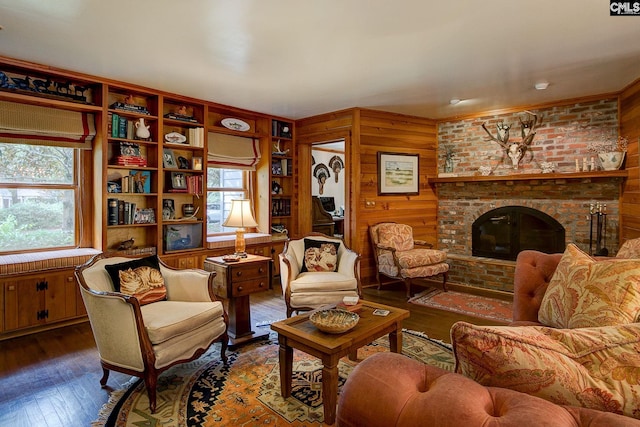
120,212
122,127
112,212
115,125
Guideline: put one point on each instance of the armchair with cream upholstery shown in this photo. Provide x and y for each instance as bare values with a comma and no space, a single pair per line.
400,257
171,317
318,270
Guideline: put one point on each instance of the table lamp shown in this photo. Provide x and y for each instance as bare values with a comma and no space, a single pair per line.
240,217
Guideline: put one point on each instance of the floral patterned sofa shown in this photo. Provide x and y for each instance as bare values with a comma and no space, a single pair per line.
575,339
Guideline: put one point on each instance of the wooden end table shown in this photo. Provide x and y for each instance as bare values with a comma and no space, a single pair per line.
235,281
298,332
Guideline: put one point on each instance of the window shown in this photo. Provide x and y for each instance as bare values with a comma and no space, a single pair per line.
38,193
223,185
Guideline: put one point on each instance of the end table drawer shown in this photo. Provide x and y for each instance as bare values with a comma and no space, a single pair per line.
249,286
248,272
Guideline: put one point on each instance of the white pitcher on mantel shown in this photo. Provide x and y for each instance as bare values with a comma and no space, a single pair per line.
142,130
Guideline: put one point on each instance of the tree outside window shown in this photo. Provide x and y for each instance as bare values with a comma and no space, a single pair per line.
38,187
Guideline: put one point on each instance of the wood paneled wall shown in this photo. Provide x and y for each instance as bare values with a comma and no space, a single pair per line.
630,128
372,132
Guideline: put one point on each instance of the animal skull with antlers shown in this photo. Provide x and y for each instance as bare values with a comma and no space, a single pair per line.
516,150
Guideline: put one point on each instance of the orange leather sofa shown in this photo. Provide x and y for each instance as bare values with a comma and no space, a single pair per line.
388,389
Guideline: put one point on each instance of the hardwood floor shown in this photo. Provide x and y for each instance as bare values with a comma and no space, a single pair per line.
53,378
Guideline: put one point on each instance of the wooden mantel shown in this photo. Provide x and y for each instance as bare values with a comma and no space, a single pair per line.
532,176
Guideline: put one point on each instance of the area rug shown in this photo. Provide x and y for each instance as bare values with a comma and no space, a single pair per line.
246,391
464,303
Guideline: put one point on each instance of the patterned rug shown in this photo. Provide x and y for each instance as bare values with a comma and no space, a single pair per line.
469,304
246,392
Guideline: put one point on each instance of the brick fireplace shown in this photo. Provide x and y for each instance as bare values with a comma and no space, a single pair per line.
567,200
566,196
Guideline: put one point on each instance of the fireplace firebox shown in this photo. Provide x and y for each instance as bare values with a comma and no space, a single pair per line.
503,232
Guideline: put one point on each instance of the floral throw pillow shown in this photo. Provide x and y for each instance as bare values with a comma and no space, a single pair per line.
584,292
320,255
594,368
140,278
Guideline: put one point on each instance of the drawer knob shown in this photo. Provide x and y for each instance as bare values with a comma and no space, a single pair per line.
239,273
261,285
261,270
240,288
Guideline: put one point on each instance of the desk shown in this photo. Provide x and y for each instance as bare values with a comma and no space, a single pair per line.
338,225
235,281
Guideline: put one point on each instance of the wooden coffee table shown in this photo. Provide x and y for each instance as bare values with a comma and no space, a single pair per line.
298,332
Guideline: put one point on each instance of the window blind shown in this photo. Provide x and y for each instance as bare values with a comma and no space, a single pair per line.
32,124
233,151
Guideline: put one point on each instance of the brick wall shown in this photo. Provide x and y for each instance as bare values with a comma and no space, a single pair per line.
563,137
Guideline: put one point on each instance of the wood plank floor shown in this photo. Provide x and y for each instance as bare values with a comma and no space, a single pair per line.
53,378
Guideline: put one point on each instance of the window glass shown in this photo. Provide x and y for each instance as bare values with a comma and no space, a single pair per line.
37,197
223,186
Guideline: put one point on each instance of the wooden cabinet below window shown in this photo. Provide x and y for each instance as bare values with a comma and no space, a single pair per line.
40,299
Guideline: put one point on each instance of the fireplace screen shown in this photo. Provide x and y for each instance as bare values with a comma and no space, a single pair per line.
503,232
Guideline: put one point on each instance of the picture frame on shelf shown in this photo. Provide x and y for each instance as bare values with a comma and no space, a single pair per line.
197,163
398,174
168,159
141,181
168,209
178,181
183,163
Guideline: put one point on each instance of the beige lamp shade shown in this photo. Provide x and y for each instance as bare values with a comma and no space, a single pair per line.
240,217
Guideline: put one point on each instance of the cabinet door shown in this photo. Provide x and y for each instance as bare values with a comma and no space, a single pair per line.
60,297
24,302
41,299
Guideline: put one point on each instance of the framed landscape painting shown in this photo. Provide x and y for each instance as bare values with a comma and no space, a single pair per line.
397,173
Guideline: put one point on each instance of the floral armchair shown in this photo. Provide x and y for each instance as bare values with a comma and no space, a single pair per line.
400,257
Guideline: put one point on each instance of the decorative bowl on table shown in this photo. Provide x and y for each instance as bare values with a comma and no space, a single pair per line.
334,321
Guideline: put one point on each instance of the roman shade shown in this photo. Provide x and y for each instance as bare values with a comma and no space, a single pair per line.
228,151
32,124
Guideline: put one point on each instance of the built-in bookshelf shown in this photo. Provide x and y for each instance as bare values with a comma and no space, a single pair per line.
131,183
281,178
183,202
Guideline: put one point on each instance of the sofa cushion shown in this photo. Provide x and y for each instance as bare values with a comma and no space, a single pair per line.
630,249
140,278
596,368
320,255
584,292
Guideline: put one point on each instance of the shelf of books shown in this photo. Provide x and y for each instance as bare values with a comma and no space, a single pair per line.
131,157
183,172
281,178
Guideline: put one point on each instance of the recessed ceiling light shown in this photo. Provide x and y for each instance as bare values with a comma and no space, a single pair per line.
454,101
541,85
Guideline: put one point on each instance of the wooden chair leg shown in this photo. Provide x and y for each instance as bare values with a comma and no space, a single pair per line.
105,376
445,275
224,340
151,382
407,285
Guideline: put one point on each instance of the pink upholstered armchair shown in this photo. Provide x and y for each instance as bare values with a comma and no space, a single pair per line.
400,257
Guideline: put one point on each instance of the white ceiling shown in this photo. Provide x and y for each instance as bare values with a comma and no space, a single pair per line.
297,58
